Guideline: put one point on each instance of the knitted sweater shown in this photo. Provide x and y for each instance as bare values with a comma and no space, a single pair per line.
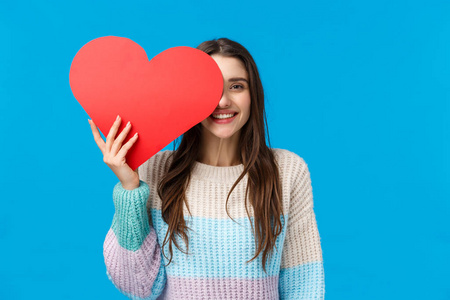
219,247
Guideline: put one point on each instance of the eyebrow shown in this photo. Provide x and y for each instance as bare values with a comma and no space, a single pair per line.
238,79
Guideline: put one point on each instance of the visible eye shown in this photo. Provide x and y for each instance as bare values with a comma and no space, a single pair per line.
237,86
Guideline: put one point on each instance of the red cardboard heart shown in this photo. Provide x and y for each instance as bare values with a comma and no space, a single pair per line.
162,98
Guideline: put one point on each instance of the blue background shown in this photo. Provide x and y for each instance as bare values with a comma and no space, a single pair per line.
359,89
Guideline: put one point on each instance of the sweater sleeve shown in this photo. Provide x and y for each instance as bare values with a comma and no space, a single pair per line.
301,273
132,254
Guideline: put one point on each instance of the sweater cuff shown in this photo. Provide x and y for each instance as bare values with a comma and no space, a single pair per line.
130,221
138,196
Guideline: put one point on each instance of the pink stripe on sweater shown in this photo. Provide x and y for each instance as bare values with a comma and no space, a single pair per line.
221,288
133,272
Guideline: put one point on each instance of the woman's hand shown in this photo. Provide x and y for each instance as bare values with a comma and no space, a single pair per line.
114,153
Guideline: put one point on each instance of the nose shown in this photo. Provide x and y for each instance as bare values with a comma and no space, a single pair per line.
225,101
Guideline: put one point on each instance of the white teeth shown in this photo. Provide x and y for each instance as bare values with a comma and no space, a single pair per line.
223,116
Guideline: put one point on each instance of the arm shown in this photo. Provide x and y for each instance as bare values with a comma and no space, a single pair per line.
131,251
302,273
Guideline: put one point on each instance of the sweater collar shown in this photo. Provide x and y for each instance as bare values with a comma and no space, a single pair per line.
213,173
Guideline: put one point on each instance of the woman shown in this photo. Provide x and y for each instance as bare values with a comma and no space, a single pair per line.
269,249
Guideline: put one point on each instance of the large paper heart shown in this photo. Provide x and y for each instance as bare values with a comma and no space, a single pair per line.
162,98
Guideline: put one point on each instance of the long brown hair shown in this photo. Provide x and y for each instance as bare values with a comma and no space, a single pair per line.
263,184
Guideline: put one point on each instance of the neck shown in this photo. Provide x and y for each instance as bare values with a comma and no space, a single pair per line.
221,152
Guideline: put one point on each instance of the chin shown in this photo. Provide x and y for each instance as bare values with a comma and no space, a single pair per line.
222,135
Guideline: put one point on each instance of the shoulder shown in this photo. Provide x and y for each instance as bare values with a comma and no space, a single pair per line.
297,179
287,160
292,167
161,156
155,167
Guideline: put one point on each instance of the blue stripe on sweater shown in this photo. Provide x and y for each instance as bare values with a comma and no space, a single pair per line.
218,248
302,282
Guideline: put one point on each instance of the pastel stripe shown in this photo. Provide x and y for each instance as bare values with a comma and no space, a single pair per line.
218,248
306,281
130,295
138,273
222,288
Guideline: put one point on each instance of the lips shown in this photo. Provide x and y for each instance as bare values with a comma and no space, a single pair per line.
223,121
223,111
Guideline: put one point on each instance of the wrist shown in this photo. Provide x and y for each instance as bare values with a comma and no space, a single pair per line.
130,185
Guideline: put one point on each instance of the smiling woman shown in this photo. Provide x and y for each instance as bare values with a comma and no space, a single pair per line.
221,131
269,249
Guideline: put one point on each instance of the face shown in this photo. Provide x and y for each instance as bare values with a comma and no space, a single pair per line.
233,110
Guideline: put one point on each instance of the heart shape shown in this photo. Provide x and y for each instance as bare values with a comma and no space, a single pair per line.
162,98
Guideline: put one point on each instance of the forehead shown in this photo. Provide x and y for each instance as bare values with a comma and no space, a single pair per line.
231,67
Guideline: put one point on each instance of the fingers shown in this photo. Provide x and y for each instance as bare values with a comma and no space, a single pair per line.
112,133
118,141
97,137
123,151
113,146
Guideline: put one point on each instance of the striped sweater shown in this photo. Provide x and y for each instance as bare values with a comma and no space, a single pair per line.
219,247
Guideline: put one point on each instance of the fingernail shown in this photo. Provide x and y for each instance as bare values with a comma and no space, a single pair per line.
128,124
117,118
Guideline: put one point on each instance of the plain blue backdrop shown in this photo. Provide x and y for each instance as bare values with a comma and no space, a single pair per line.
359,89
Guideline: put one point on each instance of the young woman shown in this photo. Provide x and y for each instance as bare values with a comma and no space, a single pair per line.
239,213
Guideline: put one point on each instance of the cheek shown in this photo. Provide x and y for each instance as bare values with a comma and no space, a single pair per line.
246,108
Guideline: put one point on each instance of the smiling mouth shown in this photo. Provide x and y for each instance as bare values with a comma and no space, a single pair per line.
225,116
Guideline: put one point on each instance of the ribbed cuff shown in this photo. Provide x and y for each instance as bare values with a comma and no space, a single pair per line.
123,196
130,222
